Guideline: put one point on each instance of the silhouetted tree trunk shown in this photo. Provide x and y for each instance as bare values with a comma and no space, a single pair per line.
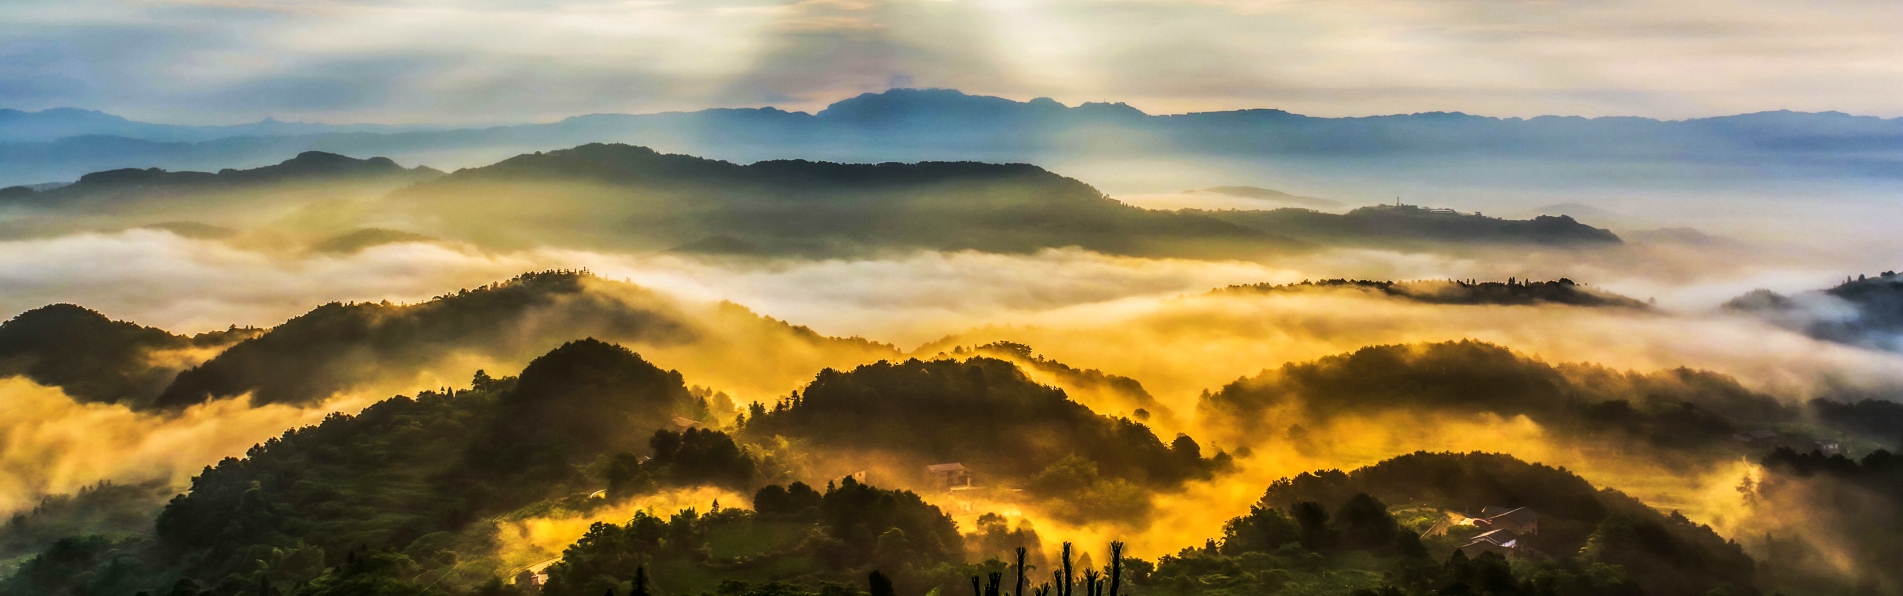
1064,586
1020,586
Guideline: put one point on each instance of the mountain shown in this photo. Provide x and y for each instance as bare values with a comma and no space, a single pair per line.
1268,195
310,166
60,123
1413,227
634,197
1464,292
96,359
1867,311
1670,409
1577,526
342,347
990,417
946,125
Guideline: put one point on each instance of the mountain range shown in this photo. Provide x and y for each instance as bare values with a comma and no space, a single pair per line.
623,197
940,124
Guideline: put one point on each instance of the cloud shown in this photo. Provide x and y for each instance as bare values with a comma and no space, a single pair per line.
52,444
205,60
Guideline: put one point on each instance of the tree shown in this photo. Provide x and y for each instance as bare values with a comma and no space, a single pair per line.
879,585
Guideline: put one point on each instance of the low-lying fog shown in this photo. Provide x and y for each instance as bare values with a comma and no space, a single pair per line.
1153,320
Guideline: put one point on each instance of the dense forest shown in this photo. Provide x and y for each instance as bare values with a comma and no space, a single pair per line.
1391,519
372,501
987,415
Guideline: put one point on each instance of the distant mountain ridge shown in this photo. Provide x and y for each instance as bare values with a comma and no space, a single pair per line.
947,125
634,197
59,123
622,197
1462,292
306,165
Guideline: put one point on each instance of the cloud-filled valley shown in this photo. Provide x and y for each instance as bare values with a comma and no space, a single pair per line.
657,331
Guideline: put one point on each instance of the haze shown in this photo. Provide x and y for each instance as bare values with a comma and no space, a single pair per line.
407,62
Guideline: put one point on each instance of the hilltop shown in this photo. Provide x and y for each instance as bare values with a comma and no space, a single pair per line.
1876,304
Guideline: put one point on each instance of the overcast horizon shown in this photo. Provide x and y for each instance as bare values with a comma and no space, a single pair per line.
450,63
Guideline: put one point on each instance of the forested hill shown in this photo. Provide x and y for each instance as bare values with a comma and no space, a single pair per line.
620,195
341,347
1877,302
336,345
96,359
1462,292
406,475
1671,409
1630,548
306,167
989,416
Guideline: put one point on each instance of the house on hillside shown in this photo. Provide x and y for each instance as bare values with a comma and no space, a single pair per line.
1519,520
681,424
1827,446
948,476
1505,543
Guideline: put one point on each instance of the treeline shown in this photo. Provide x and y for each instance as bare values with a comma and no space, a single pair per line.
1461,292
1412,227
794,531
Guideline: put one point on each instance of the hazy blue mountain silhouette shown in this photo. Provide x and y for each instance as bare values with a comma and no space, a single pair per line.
629,197
305,167
947,125
60,123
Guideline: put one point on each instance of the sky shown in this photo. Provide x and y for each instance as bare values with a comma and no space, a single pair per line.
494,61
